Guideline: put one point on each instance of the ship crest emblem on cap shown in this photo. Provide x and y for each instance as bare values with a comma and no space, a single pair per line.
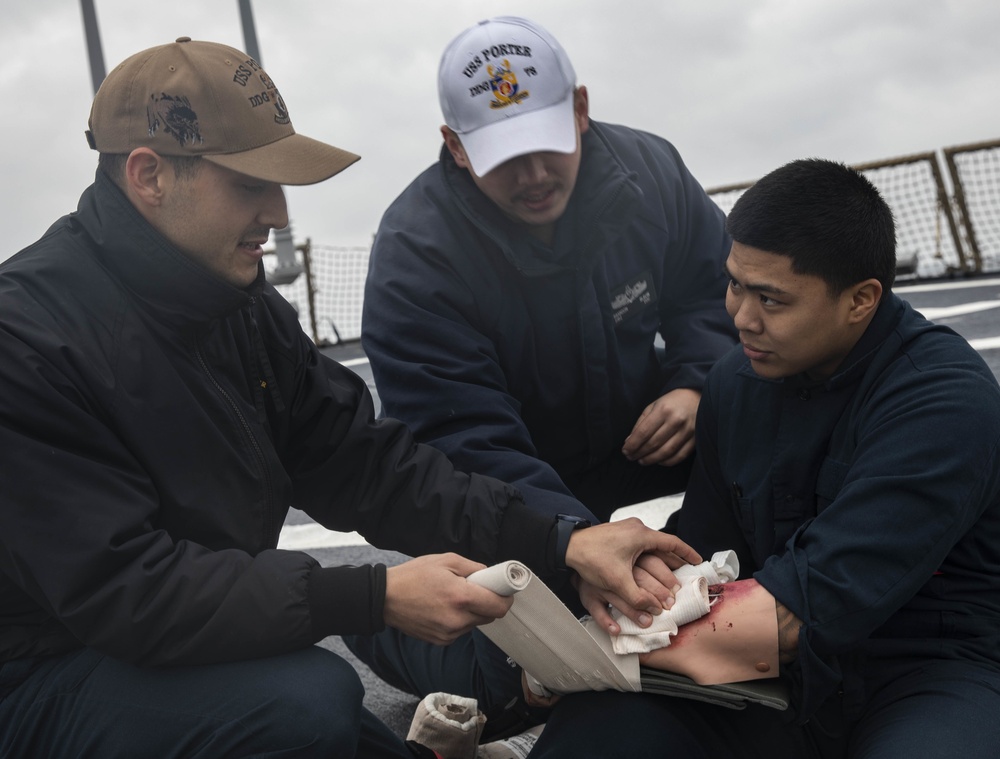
281,117
503,82
174,114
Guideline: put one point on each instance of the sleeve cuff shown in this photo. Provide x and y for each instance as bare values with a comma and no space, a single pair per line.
347,600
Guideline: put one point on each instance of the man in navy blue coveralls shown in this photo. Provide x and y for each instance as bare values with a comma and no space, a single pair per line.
848,450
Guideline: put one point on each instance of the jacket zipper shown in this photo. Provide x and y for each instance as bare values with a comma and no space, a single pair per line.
269,538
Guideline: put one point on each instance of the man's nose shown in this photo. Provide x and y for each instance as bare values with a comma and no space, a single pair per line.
531,168
743,313
274,209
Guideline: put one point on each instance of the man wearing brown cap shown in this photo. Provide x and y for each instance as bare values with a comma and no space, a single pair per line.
162,409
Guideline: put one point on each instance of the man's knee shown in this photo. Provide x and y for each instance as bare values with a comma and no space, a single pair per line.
472,666
609,723
316,699
306,703
941,708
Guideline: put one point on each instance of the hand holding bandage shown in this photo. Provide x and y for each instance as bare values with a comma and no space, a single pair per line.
628,566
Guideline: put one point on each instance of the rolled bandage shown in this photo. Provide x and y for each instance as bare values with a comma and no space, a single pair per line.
450,725
504,579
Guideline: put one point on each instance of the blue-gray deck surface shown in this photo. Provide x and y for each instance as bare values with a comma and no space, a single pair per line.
969,306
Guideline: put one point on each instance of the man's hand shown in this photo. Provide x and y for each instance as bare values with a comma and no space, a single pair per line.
430,599
664,433
627,565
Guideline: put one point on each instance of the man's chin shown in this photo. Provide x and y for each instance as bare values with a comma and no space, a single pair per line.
767,370
241,278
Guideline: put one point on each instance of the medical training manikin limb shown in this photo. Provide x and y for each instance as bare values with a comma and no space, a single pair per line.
737,640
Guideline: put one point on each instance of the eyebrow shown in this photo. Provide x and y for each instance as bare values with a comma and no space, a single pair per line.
764,287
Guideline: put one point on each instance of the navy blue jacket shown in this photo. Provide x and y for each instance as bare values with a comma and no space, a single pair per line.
156,424
525,361
868,504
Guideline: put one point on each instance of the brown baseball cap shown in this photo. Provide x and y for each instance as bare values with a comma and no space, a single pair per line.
192,98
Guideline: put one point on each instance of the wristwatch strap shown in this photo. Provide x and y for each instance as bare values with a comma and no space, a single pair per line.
565,526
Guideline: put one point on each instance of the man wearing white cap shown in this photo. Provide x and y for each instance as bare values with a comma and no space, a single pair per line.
162,409
543,304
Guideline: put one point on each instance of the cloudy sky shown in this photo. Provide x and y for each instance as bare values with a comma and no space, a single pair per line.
739,86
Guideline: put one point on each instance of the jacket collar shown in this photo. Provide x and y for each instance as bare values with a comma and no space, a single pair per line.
883,324
167,282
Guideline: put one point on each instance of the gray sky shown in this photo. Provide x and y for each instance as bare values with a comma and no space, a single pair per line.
739,86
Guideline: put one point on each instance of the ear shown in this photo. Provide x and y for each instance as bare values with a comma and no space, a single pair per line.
454,146
865,297
146,177
581,108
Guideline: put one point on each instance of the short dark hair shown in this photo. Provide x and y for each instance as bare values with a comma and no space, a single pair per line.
113,164
827,217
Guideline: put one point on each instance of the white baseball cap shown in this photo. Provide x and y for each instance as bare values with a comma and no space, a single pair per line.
506,89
